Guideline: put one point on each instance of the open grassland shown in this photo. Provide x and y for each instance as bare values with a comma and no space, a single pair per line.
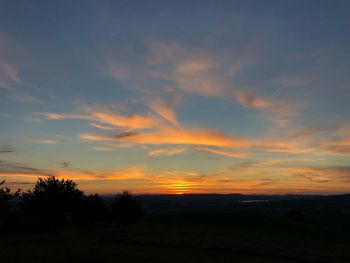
202,236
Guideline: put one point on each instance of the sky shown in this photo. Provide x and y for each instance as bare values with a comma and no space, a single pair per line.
176,96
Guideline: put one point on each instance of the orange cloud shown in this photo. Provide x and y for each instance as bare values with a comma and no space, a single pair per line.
131,121
10,72
320,178
195,66
123,174
94,137
101,127
167,152
280,112
198,72
268,180
250,100
221,152
168,135
339,146
39,141
165,110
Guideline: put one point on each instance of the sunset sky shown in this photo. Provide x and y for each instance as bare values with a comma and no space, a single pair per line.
176,96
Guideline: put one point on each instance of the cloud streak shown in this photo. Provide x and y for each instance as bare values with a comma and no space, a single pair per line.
130,121
39,140
196,71
167,135
6,149
143,180
166,152
221,152
164,108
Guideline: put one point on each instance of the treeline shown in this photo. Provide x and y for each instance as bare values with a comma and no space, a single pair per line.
58,203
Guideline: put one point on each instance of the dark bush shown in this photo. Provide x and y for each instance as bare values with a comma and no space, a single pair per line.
5,199
9,214
51,203
91,210
54,203
125,209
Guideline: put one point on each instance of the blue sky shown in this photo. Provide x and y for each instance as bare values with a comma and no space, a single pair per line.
176,96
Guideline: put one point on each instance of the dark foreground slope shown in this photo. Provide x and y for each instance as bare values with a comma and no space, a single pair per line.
203,229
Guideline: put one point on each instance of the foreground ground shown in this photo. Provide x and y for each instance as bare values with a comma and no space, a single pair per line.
201,236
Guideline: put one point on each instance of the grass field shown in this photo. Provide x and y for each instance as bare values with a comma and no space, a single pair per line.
201,236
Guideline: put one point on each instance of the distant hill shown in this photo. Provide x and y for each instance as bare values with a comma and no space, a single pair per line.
166,202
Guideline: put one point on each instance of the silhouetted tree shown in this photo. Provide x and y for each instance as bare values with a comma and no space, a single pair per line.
91,210
52,202
5,198
125,209
9,216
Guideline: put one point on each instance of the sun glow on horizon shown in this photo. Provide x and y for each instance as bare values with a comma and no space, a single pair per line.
181,187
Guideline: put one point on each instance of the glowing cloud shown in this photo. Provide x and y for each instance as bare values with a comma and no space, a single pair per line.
167,152
165,110
340,146
168,135
221,152
132,121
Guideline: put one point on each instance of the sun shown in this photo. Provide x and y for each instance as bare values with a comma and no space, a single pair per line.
181,187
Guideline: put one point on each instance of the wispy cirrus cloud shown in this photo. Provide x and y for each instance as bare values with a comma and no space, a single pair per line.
130,121
21,96
336,146
150,128
250,99
6,148
23,170
167,135
205,140
12,81
166,152
247,179
8,168
103,149
165,108
322,174
196,71
39,140
9,73
221,152
101,127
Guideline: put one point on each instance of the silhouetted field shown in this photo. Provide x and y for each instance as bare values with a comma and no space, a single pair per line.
202,228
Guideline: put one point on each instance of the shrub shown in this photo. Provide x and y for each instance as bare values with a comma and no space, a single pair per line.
125,209
91,210
51,203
